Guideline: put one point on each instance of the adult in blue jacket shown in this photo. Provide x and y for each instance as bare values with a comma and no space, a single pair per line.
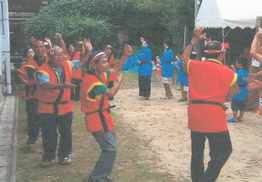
167,68
145,70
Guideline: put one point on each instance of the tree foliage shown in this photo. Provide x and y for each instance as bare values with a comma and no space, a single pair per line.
102,20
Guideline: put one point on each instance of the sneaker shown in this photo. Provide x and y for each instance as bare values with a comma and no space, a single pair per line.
181,100
239,120
231,120
141,98
109,179
92,180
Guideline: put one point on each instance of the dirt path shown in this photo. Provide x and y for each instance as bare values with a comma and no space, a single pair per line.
163,124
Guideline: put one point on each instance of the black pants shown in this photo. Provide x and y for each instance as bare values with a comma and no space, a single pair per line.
144,83
220,150
75,92
32,120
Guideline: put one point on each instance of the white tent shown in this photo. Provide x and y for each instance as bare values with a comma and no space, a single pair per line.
229,13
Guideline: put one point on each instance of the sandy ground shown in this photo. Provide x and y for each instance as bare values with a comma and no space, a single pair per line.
163,124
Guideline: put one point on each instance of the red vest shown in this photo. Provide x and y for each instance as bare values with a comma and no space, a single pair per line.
30,89
112,62
77,74
55,101
90,106
208,81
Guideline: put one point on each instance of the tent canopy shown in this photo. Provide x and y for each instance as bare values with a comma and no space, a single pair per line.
229,13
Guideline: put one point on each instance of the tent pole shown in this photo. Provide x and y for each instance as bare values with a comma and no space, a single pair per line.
223,36
185,37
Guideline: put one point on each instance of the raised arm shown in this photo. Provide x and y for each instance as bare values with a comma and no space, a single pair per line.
197,36
59,37
113,91
118,66
255,50
87,51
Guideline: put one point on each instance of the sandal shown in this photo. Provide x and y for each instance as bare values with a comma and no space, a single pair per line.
45,163
165,97
65,161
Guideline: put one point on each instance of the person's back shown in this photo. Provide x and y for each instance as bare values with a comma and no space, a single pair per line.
210,84
242,75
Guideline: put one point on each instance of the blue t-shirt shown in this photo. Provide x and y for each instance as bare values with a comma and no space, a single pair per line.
181,77
145,68
167,67
242,75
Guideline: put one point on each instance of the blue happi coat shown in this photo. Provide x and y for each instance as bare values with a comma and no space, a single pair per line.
144,55
167,67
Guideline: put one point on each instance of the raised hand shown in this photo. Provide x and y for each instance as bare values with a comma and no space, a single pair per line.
58,36
128,50
88,46
120,78
197,34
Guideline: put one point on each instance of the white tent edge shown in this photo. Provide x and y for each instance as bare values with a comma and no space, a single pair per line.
229,13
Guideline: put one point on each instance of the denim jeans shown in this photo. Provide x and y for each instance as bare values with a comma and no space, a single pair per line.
49,124
220,150
32,120
107,142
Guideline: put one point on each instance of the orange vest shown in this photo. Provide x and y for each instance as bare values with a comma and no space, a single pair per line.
93,119
30,89
111,63
55,101
209,81
77,74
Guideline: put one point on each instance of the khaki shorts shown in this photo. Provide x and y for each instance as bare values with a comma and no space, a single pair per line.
167,80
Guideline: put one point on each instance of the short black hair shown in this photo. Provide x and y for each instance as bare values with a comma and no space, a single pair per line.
167,41
213,45
243,61
25,51
32,35
147,42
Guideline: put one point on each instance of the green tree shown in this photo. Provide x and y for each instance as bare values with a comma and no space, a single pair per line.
102,20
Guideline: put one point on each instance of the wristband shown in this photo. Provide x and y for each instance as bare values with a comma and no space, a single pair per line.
191,43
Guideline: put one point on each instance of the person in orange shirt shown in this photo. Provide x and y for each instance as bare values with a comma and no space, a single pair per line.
111,61
71,55
54,104
95,105
28,95
211,84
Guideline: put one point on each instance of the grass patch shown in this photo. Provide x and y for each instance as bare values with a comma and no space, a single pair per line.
134,161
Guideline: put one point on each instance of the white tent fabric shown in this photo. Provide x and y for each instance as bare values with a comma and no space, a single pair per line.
229,13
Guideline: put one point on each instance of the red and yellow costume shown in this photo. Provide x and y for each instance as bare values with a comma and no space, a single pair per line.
158,72
97,117
31,87
205,113
55,101
78,73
